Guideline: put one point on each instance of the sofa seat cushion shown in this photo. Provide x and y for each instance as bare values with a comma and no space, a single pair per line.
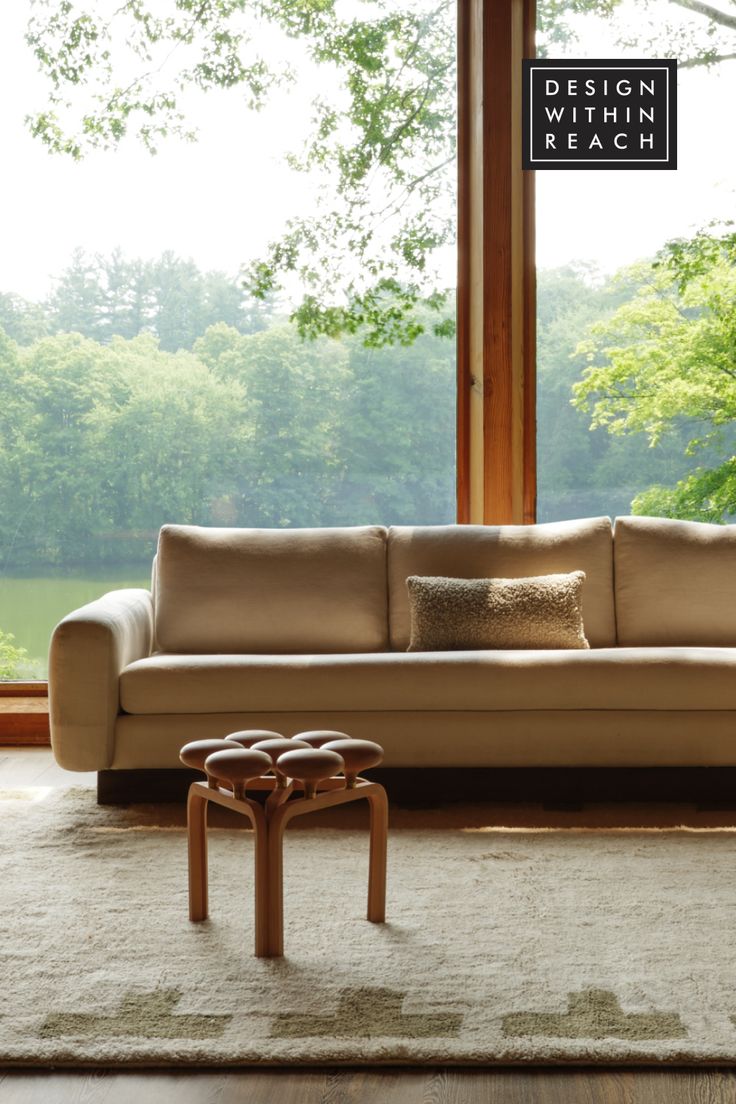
605,678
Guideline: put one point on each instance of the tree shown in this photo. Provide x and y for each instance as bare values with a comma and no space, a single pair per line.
383,133
50,470
105,297
398,434
709,39
22,320
664,364
170,450
13,659
291,470
102,444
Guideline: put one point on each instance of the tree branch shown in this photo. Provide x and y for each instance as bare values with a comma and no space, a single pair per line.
394,206
691,63
714,14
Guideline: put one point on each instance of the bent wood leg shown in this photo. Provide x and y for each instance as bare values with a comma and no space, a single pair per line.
262,879
327,798
269,823
200,794
276,826
378,803
197,851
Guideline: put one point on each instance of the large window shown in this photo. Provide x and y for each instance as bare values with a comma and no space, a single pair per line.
636,322
252,329
257,328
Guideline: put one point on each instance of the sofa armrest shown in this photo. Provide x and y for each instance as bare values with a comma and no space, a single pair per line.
89,649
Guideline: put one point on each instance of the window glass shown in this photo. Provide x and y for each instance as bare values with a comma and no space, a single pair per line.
251,329
637,287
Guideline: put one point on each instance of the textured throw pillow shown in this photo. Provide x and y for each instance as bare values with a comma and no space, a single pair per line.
544,611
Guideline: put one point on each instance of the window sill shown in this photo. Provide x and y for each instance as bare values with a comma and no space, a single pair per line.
24,714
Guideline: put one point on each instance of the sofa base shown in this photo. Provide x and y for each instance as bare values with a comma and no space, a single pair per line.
432,785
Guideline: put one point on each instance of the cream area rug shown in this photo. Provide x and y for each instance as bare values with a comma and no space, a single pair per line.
501,945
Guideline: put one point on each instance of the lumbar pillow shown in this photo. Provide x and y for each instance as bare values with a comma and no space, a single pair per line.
543,611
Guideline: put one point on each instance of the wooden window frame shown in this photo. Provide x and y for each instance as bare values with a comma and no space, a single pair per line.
496,296
496,285
24,717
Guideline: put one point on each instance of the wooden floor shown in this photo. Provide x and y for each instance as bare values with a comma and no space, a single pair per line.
35,767
365,1086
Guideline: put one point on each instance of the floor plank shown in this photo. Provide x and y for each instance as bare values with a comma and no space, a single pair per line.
35,766
366,1086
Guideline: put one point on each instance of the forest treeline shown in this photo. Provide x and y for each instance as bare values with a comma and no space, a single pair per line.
145,392
104,297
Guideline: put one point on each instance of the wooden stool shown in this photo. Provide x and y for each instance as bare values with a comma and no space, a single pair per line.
301,775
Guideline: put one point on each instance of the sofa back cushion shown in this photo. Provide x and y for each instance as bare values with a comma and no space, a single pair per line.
271,590
675,582
508,551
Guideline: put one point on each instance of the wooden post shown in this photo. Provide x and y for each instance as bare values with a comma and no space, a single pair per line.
496,286
197,849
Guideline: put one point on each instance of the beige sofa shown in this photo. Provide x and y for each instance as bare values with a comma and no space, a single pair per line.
298,629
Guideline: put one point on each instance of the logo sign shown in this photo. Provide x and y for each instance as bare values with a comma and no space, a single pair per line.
599,114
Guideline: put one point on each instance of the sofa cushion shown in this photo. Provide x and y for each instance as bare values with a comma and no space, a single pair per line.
675,582
606,678
544,611
509,551
271,590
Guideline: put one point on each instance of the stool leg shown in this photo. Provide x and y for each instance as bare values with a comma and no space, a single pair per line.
197,850
377,861
262,884
275,863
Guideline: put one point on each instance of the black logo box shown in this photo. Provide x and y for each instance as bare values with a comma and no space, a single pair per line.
614,114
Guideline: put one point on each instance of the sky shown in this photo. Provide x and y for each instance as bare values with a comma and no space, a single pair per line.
221,200
614,217
218,201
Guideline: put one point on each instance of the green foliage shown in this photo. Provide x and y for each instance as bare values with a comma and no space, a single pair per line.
342,434
664,365
103,441
291,465
101,297
583,471
100,444
104,297
689,258
13,659
399,434
24,322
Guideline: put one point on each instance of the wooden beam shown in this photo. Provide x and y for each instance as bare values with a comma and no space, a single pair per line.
36,689
24,713
464,375
529,322
496,301
23,719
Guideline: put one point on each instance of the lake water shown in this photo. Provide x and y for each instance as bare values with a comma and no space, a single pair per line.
30,607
